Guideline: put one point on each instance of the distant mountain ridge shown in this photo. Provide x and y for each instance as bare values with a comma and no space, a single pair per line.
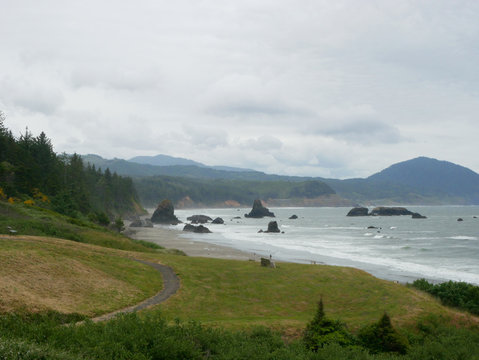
417,181
166,160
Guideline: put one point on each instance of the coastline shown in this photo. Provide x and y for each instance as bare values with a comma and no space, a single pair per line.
399,249
172,239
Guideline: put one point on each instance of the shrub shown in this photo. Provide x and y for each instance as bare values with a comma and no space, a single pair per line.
458,294
382,337
322,331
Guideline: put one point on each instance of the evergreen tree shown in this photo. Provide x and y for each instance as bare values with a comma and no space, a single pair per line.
382,337
322,331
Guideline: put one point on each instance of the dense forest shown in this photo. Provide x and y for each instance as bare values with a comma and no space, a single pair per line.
32,173
217,191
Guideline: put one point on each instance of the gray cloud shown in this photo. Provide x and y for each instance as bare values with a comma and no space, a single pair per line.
293,87
367,132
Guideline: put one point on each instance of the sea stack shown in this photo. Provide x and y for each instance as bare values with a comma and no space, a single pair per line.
259,211
358,211
164,214
273,227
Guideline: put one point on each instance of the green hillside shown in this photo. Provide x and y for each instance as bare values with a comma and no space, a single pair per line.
217,191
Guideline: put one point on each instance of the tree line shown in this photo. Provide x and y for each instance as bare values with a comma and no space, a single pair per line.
32,173
213,191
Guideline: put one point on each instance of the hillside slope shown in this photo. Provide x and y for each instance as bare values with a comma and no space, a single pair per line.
431,176
41,274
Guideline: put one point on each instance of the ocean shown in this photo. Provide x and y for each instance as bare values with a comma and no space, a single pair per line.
399,248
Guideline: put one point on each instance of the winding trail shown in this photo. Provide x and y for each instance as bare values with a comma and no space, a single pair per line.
171,284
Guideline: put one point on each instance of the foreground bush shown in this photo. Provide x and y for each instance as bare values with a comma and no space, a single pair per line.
28,337
322,331
382,337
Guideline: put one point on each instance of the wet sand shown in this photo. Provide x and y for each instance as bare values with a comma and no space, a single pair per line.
171,239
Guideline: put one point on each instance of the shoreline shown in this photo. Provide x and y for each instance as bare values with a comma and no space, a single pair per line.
172,239
231,245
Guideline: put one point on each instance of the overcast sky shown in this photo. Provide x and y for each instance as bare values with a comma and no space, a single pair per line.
324,88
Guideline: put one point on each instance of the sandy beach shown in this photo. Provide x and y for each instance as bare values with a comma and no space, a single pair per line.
172,239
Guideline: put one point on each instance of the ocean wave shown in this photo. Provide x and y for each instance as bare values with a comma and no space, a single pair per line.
460,237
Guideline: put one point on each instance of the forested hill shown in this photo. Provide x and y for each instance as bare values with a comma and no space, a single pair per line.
32,173
417,181
431,176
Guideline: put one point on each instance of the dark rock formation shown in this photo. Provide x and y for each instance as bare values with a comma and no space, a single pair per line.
196,229
372,227
460,219
141,223
199,219
389,211
259,211
202,229
293,217
358,211
272,228
164,214
189,227
418,216
218,220
237,217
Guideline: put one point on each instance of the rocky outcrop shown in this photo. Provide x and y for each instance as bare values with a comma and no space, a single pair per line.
390,211
273,227
196,229
199,219
164,214
218,220
293,217
384,211
358,211
141,223
418,216
259,211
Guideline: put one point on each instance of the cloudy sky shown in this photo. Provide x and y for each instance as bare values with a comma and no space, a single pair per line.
304,87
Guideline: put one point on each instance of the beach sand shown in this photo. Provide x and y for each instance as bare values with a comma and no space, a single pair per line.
171,239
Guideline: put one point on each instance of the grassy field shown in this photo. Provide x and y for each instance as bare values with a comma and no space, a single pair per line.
94,274
39,274
241,294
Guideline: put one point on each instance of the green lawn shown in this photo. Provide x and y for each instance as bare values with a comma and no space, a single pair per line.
241,294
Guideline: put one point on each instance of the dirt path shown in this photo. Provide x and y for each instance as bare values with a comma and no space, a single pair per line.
171,284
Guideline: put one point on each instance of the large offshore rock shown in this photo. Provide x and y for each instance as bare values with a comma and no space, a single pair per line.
259,211
358,211
390,211
199,219
165,214
196,229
